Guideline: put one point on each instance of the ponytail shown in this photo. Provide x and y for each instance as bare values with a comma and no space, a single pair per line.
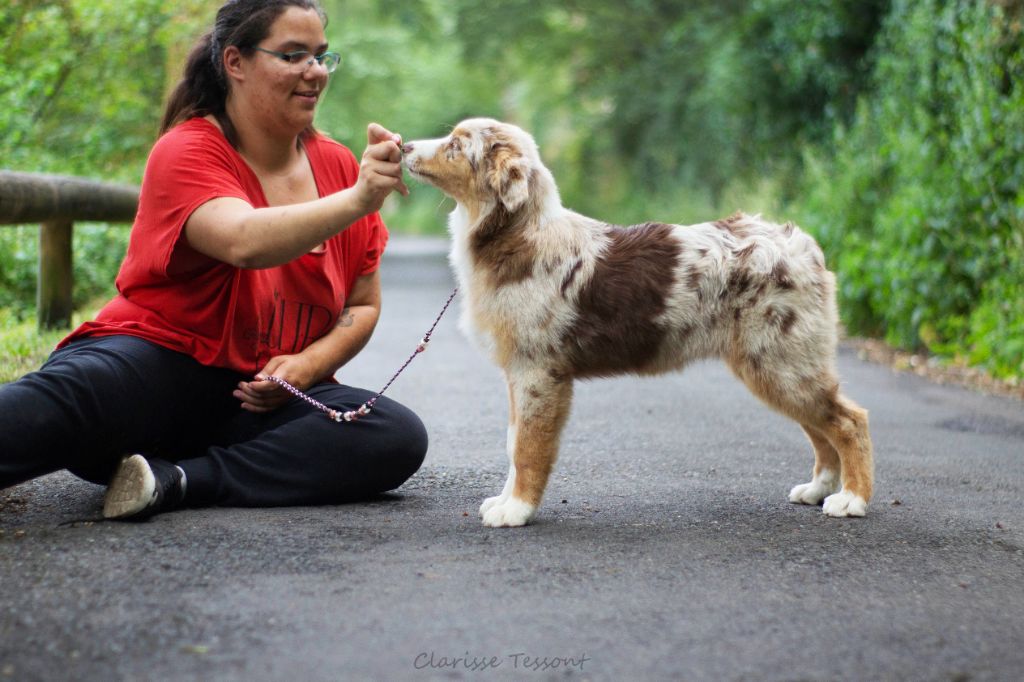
201,90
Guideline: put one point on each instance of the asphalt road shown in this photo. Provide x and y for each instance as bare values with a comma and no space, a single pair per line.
665,548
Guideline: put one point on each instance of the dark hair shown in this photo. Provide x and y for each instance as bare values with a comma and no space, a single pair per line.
203,89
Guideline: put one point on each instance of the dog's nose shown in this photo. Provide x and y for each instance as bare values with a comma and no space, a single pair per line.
407,148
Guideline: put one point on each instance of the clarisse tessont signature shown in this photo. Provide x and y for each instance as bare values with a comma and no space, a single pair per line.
517,661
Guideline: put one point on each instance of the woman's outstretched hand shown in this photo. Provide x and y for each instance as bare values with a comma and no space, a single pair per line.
380,171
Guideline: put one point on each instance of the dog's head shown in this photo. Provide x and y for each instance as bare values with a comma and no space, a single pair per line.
483,162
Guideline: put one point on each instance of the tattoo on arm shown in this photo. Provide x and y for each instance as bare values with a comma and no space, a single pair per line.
346,319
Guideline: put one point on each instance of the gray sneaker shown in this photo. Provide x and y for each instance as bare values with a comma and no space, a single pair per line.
141,488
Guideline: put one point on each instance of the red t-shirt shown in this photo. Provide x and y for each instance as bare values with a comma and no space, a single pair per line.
221,315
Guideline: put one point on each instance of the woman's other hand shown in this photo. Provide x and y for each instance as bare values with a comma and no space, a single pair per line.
264,395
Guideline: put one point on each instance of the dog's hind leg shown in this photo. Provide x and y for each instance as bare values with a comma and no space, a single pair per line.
845,425
540,408
825,477
837,427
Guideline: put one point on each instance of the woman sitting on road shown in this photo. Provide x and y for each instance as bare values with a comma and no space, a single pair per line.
254,253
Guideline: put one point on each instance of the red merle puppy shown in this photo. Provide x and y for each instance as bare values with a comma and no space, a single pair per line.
555,296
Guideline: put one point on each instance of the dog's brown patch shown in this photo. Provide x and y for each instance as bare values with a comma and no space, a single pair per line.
616,329
567,280
784,319
694,280
459,139
500,246
780,276
740,280
729,224
787,321
502,250
743,255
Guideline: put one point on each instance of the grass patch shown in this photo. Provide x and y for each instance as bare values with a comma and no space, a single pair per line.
23,348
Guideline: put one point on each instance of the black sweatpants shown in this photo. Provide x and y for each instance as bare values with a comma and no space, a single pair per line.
99,399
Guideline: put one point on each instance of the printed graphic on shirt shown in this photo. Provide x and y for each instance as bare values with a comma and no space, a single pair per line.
287,327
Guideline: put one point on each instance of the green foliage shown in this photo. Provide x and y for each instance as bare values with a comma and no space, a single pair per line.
921,203
401,66
23,347
893,129
97,250
18,264
80,85
696,93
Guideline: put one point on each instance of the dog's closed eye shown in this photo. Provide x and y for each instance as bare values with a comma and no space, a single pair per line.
453,147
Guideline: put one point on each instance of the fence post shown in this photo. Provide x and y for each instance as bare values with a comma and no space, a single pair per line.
55,278
56,201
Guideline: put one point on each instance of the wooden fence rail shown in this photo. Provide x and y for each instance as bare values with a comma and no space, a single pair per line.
56,202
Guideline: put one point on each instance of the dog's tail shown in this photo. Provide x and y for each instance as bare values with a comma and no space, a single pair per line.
770,248
802,247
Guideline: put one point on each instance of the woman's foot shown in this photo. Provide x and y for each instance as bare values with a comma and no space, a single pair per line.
141,488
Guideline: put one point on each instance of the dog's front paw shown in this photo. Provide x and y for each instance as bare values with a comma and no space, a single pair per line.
506,513
845,503
820,487
491,502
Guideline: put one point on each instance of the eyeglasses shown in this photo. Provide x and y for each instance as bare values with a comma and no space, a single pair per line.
303,59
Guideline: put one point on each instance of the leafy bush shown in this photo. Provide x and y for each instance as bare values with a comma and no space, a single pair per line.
921,205
81,86
97,251
893,129
18,265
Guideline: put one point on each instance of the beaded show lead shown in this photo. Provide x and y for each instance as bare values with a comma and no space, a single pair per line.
364,409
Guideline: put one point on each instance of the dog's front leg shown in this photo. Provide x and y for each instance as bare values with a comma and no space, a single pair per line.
510,450
539,407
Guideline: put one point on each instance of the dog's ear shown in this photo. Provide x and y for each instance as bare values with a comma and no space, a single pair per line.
508,174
